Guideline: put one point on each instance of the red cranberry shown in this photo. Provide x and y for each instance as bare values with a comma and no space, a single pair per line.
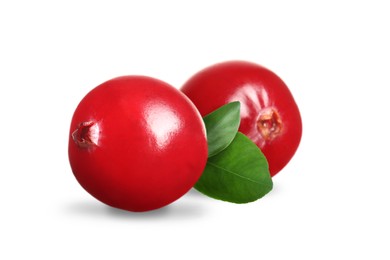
137,143
269,115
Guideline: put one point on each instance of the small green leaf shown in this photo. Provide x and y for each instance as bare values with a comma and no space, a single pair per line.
238,174
222,125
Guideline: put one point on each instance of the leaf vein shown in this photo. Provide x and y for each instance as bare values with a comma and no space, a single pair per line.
236,174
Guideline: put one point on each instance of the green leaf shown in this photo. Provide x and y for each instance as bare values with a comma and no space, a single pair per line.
238,174
222,125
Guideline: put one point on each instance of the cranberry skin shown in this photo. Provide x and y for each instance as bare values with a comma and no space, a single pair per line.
269,115
136,143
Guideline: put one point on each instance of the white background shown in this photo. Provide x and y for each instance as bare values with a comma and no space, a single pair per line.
330,202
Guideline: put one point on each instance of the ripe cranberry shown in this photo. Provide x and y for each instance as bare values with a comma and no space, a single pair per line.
137,143
269,114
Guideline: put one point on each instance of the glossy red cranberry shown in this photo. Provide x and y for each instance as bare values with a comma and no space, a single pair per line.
137,143
269,115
